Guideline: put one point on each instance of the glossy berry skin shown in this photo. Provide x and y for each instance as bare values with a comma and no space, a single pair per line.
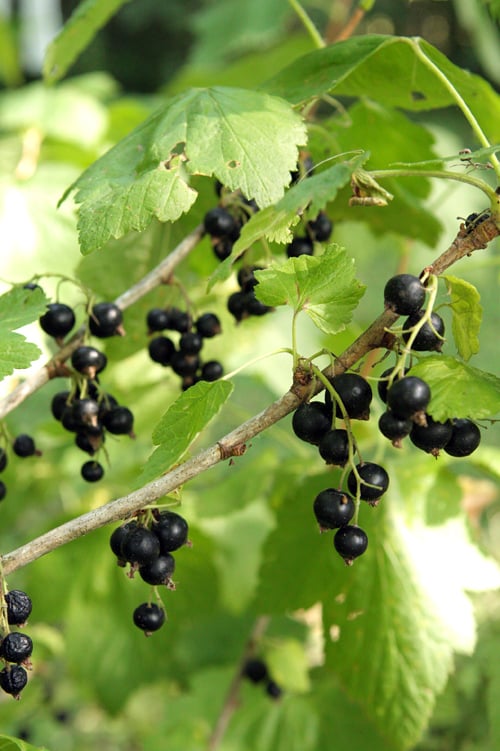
465,438
300,246
24,446
158,571
407,396
88,360
218,222
161,350
237,305
333,509
183,364
157,319
140,546
16,647
404,294
370,474
149,617
355,394
350,542
190,343
119,421
393,427
171,530
13,679
58,320
208,325
92,471
431,437
118,537
18,607
255,670
320,228
212,370
334,447
105,320
178,320
429,338
246,277
311,421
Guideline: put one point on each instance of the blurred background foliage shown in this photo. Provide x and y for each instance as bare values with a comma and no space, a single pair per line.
97,681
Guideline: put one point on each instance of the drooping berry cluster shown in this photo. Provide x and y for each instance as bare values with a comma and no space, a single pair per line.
185,358
147,543
256,671
223,223
244,303
15,647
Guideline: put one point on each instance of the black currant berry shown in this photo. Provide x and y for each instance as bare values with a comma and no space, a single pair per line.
320,228
3,459
85,412
59,403
149,617
171,530
3,490
161,349
178,320
190,343
24,446
300,246
246,277
18,607
58,320
333,509
237,305
255,670
119,421
106,320
208,325
88,360
255,307
92,471
431,437
355,394
140,546
311,421
334,447
404,294
305,168
158,571
13,679
212,371
350,542
118,537
183,364
16,647
222,247
407,396
157,319
393,427
374,481
218,222
465,438
383,383
430,336
273,689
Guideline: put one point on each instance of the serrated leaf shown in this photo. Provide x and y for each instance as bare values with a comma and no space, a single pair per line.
246,139
458,390
467,315
323,286
77,32
182,422
18,307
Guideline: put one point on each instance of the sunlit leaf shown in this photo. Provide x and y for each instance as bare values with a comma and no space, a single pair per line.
467,315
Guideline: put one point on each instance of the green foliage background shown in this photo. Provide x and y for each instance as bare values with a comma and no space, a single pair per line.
397,652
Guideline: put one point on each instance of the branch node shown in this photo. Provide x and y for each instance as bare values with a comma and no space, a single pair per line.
227,452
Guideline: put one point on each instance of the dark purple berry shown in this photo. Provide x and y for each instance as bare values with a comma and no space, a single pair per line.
355,394
149,617
431,437
59,403
350,542
24,446
222,248
430,336
178,320
374,481
18,607
118,538
171,529
320,228
246,277
183,364
161,349
58,320
407,396
85,411
106,320
273,690
393,427
334,447
140,546
190,343
465,438
404,294
119,421
333,509
208,325
237,305
300,246
92,471
13,679
88,360
16,647
255,670
255,307
212,371
3,459
311,421
3,490
158,571
157,319
218,222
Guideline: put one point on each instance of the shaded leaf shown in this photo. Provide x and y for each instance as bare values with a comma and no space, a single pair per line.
18,307
467,315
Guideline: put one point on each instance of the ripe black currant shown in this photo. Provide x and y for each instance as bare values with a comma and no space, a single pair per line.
300,246
183,364
119,421
374,481
334,447
190,343
13,679
3,459
320,228
18,607
333,509
222,247
178,320
350,542
237,305
149,617
393,427
157,319
58,320
273,689
140,546
407,396
24,446
311,421
92,471
430,336
354,392
208,325
255,670
106,320
161,349
16,647
3,490
118,538
465,438
171,530
158,571
212,371
431,437
88,360
85,411
218,222
59,403
404,294
246,277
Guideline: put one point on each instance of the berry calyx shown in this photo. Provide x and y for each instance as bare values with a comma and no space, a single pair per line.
350,542
334,447
311,421
395,428
106,320
408,396
374,482
158,571
465,438
432,436
355,394
149,617
18,607
333,509
429,337
58,320
88,360
404,294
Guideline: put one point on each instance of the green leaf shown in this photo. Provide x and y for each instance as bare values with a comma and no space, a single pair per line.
467,315
458,390
323,286
288,664
247,140
8,743
18,307
182,422
77,32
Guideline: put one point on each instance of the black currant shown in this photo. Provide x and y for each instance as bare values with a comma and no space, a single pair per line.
218,222
305,168
393,427
246,277
350,542
404,294
430,336
157,319
431,437
178,320
222,247
88,360
85,411
355,394
18,607
300,246
383,383
119,421
273,689
190,343
374,481
106,320
334,447
92,471
13,679
149,617
171,529
333,509
24,446
311,421
3,490
407,396
320,228
255,670
58,320
59,403
255,307
161,349
208,325
237,305
183,364
140,546
16,647
158,571
212,371
3,459
465,438
118,536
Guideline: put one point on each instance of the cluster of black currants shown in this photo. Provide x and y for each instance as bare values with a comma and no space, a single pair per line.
86,409
223,223
316,231
147,543
256,671
185,359
244,303
15,647
22,446
314,422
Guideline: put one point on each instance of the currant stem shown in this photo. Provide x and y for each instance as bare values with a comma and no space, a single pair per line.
311,29
475,182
